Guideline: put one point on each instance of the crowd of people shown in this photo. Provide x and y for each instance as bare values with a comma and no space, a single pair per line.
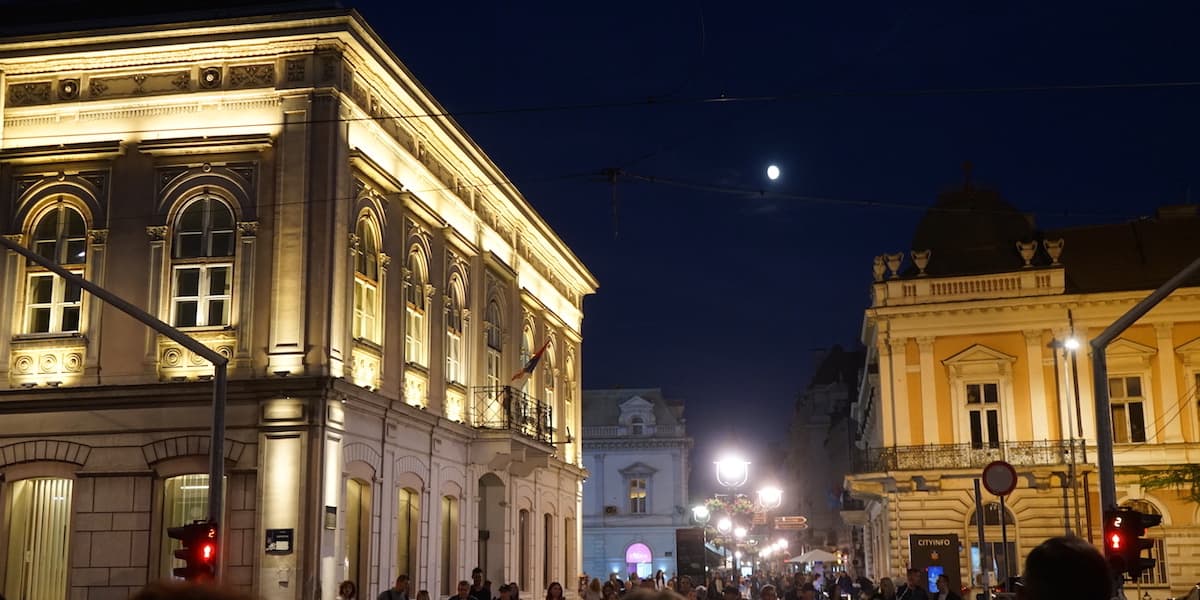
1059,568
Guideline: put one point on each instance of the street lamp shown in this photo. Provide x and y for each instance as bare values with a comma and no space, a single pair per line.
732,471
770,497
724,524
700,514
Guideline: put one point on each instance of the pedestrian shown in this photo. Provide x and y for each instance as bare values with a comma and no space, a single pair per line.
479,591
731,593
885,591
554,591
346,591
423,595
505,591
399,591
464,590
912,588
516,590
1065,567
768,592
660,581
944,592
593,591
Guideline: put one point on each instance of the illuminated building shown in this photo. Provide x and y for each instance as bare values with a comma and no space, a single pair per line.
635,448
266,184
969,361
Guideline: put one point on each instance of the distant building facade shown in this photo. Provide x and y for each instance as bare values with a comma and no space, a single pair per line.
968,364
373,280
635,448
820,450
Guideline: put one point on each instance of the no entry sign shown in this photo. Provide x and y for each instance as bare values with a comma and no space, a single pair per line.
1000,478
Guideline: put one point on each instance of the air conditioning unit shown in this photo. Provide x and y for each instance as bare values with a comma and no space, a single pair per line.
610,510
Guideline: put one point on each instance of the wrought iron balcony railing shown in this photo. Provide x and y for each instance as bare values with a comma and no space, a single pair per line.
964,456
509,408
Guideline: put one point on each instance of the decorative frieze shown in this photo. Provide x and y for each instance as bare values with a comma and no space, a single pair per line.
177,363
365,365
51,362
252,76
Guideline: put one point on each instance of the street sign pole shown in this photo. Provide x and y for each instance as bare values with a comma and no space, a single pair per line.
216,476
983,553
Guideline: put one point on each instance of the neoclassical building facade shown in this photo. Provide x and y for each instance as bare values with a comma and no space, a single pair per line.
281,188
970,361
635,448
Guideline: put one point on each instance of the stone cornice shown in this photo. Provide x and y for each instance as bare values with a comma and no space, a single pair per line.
641,443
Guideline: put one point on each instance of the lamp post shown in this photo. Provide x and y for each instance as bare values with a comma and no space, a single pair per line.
701,515
1056,346
732,471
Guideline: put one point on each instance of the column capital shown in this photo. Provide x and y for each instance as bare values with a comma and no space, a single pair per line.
157,233
925,342
1164,330
98,236
1033,335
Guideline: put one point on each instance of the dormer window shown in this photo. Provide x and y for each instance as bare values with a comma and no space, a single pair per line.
637,426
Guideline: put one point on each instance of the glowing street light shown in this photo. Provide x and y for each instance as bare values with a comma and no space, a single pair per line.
724,524
739,532
732,471
770,497
700,514
1071,343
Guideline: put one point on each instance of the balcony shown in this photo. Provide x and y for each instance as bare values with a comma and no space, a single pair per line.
507,408
962,456
514,431
925,290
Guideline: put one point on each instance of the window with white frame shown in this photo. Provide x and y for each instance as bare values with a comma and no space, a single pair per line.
495,344
1128,409
51,304
983,414
366,282
1156,575
185,499
202,264
549,395
416,330
637,495
454,331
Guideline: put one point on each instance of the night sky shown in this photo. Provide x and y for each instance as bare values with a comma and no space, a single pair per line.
720,295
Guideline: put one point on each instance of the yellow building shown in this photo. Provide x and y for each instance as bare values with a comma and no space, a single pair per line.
279,186
967,364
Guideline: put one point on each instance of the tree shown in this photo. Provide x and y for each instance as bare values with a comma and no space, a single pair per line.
1185,478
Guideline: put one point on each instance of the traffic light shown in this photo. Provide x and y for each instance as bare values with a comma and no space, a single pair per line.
199,550
1123,541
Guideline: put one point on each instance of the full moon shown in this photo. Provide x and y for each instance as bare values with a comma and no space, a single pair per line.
772,172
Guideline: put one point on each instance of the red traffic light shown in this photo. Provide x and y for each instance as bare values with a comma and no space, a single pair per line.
198,550
1115,542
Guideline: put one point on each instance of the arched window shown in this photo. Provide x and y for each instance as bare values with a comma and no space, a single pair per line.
1156,575
51,304
454,331
549,395
547,549
495,344
992,555
523,550
366,282
526,344
416,329
39,514
202,265
449,548
357,534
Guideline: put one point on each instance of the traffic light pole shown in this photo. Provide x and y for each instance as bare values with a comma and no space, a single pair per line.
1104,431
216,474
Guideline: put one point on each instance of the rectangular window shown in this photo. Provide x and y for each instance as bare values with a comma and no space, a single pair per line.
994,560
1128,409
1156,575
637,496
51,304
366,310
983,400
39,517
493,368
201,295
454,357
414,335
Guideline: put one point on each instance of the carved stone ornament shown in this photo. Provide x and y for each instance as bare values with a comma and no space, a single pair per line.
1054,248
466,315
878,268
157,233
921,259
354,242
384,261
430,290
98,236
1027,250
248,228
16,238
893,263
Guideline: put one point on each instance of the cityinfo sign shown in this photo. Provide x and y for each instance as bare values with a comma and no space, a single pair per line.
936,555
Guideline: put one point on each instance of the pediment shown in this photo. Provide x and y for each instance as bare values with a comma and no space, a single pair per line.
979,360
638,470
1124,353
636,404
1190,351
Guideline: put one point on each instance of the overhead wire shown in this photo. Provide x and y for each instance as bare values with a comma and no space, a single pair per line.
1179,406
654,101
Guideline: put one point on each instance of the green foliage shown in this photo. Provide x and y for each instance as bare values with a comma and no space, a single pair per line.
1184,478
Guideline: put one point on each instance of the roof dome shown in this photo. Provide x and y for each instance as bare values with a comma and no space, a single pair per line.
972,231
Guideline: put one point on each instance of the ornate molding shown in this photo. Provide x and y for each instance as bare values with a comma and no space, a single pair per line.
430,290
98,236
355,242
248,228
1164,331
157,233
384,261
16,238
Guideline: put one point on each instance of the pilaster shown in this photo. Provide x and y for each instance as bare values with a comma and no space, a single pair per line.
901,416
289,278
155,304
244,296
929,403
8,300
98,240
1168,374
1037,384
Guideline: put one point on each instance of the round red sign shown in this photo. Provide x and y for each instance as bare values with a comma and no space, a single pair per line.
1000,478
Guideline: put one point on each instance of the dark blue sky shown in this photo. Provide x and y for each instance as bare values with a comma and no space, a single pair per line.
720,298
